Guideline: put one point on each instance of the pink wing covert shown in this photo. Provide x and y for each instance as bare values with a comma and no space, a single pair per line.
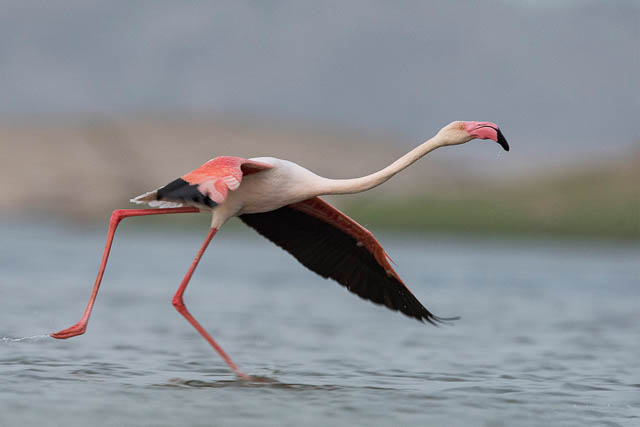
215,178
206,186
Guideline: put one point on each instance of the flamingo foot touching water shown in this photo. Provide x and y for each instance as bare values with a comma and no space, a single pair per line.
280,200
77,329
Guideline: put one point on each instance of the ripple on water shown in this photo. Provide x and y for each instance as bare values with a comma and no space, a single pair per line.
484,389
33,338
257,381
584,387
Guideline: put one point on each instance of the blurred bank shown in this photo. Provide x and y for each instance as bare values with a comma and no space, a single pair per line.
80,171
102,101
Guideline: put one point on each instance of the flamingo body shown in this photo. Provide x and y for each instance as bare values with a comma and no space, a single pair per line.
280,200
264,193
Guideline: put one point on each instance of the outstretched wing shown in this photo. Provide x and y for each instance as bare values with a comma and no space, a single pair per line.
206,186
333,245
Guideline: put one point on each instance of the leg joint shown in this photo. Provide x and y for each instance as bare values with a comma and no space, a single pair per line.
178,303
117,216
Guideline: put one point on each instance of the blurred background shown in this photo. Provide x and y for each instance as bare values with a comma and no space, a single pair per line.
536,249
101,101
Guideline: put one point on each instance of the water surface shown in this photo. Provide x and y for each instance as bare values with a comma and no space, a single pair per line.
549,335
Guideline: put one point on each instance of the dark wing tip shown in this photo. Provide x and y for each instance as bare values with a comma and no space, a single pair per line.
437,320
502,140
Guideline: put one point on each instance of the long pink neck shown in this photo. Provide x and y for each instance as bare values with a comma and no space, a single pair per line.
357,185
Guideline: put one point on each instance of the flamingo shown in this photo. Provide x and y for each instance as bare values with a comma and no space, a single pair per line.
280,200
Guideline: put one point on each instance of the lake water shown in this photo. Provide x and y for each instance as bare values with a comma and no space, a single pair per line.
549,335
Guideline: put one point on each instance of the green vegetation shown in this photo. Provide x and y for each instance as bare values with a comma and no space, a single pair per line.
596,202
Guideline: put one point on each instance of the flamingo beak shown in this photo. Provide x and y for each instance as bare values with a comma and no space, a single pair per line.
502,140
487,130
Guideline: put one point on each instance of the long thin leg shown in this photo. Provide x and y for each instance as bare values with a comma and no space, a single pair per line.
178,303
117,216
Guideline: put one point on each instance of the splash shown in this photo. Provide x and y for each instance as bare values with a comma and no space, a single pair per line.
19,339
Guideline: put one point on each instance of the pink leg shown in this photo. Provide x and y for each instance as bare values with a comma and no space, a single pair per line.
178,303
117,216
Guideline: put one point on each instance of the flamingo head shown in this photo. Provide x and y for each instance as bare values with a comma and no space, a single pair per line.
460,132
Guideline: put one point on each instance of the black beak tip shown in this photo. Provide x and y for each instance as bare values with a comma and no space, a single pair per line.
502,141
